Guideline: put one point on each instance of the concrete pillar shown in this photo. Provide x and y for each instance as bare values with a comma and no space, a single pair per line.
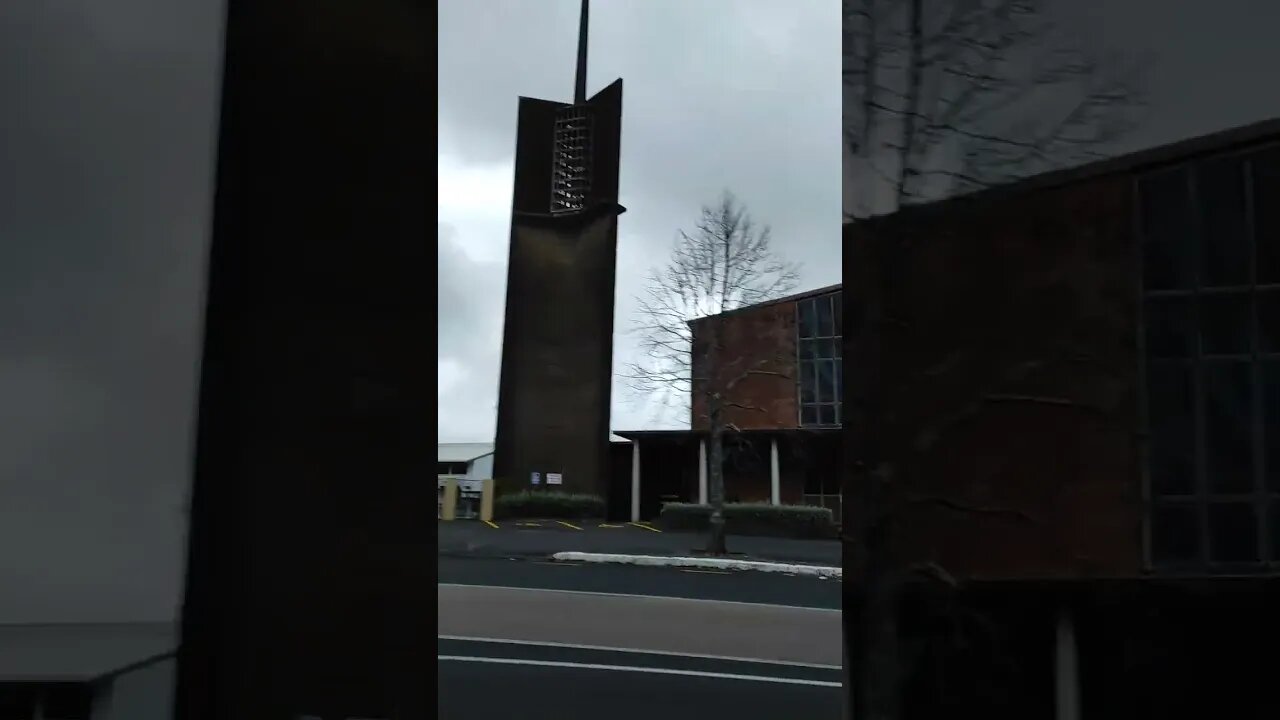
775,478
486,500
702,472
450,507
1066,670
635,481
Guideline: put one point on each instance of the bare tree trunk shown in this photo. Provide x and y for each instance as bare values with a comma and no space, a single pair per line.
716,544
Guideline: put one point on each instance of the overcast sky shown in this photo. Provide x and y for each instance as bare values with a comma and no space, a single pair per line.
106,140
740,95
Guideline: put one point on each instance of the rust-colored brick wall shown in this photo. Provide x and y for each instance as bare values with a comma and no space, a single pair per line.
763,338
1008,379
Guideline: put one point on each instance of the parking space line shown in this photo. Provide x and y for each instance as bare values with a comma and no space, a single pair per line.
608,525
528,524
646,527
491,524
569,525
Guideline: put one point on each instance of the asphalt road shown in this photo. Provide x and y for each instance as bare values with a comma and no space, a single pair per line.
535,640
753,587
488,681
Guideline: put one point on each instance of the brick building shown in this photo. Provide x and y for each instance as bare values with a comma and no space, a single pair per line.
1074,384
783,445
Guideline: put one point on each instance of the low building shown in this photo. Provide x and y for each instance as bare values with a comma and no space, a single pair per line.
464,461
784,422
87,671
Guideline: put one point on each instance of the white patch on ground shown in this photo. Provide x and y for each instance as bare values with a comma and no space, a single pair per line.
818,571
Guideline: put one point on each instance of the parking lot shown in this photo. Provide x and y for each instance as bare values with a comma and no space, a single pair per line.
528,538
576,526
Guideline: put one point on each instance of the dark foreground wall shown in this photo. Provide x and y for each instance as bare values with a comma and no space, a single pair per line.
309,581
1007,399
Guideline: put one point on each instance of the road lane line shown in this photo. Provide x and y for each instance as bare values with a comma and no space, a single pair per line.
646,527
493,525
698,656
629,668
570,525
633,595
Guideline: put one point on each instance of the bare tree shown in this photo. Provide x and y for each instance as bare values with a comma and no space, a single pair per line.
725,262
943,97
947,96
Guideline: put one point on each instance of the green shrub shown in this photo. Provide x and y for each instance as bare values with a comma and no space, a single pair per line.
796,521
549,504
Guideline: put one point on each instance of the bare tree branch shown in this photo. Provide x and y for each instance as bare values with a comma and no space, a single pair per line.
726,261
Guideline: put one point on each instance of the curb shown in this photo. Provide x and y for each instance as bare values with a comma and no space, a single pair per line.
818,571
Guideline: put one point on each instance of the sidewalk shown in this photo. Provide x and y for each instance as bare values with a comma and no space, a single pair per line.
463,538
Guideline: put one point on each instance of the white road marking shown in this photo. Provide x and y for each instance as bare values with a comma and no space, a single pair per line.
646,597
572,646
629,668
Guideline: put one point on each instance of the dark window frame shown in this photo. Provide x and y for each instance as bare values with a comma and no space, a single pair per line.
1205,498
809,350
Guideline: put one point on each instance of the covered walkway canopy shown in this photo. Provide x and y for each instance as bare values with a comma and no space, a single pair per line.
780,466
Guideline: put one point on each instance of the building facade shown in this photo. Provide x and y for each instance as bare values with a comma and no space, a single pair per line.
87,671
1072,383
781,362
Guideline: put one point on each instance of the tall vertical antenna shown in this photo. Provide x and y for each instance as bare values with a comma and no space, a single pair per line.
580,81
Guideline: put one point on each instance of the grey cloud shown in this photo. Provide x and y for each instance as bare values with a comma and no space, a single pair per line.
469,326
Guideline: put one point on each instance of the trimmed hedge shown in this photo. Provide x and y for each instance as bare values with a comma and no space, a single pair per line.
794,521
549,504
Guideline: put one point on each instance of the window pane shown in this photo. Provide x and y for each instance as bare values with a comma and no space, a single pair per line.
839,413
1175,534
808,318
1166,224
826,323
807,350
839,370
17,701
838,311
1228,394
1266,214
1168,326
1271,423
1233,532
813,482
806,383
808,415
1225,324
826,415
1171,416
824,349
1269,321
68,701
1224,242
826,381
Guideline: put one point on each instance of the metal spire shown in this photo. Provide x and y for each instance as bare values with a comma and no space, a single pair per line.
580,81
